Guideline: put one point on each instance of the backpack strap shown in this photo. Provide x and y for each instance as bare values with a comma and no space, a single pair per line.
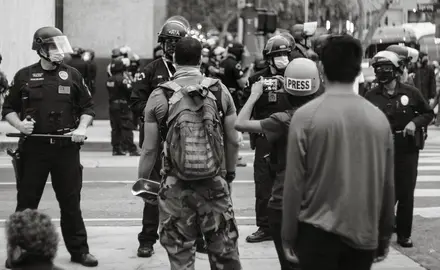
213,86
168,89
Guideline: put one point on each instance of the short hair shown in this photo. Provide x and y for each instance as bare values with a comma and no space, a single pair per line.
188,52
33,232
341,57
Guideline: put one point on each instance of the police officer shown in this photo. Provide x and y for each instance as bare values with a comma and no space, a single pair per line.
205,61
82,66
135,63
50,97
407,56
277,52
408,112
231,72
298,34
119,90
146,80
116,52
276,127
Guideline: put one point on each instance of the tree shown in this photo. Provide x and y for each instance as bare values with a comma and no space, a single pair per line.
375,21
210,14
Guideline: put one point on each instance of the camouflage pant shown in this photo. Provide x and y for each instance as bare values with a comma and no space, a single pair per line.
185,208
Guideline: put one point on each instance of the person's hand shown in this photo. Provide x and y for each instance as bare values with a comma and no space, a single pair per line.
27,126
289,253
78,135
410,129
257,89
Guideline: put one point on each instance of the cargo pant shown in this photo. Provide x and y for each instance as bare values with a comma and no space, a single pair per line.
187,207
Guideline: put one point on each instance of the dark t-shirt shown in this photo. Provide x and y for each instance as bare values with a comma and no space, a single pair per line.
276,129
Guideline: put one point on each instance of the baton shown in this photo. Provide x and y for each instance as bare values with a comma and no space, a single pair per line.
53,136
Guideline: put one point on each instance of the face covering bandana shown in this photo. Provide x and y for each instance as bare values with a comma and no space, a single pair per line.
281,62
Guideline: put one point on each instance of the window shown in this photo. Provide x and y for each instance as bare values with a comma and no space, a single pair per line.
419,16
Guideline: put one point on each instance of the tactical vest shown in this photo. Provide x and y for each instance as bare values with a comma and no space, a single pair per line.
50,103
269,103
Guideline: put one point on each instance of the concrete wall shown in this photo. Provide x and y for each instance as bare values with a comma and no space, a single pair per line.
102,25
18,21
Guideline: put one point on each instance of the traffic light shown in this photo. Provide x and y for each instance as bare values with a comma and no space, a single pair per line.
267,21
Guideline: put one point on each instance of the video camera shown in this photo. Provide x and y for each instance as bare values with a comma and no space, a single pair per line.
272,100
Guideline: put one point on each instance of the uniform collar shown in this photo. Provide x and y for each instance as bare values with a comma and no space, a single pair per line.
187,71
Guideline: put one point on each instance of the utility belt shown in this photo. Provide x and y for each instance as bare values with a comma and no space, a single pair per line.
49,141
411,142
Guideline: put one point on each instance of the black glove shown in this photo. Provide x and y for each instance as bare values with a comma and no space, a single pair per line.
230,176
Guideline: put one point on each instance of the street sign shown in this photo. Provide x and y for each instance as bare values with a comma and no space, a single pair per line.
241,4
428,7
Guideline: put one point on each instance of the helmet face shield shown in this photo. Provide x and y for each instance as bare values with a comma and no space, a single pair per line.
57,45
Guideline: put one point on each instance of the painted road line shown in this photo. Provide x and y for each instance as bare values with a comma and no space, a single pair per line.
428,178
119,182
426,212
426,192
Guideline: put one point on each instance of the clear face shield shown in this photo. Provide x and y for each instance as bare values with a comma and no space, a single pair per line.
56,47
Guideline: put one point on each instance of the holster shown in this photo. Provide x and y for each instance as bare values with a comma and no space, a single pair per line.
419,138
17,163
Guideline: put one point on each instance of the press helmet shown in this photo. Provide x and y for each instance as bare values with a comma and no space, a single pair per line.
301,77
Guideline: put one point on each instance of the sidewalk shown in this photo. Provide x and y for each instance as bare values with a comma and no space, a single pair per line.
98,137
115,248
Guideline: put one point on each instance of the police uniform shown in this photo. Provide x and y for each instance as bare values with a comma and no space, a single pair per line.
263,173
119,89
407,104
230,72
145,82
55,99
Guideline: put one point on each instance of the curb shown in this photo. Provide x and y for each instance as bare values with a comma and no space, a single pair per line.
98,146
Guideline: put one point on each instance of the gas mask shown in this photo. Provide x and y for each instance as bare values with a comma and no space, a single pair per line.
281,62
385,74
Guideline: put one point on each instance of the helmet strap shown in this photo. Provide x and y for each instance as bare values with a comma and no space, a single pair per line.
45,55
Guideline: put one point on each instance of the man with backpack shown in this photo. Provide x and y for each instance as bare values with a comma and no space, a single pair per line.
192,120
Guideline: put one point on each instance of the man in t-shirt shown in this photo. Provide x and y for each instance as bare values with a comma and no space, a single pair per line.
182,204
301,85
338,198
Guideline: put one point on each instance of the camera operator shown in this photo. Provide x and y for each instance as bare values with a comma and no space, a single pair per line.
276,52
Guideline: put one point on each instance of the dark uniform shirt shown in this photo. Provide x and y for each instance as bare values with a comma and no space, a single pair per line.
424,80
147,80
230,72
405,105
60,93
119,87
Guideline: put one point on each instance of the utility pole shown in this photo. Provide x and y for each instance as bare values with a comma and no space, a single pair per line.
306,11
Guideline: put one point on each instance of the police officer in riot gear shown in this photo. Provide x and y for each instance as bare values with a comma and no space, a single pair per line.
408,112
119,91
277,52
146,80
116,52
50,97
82,66
407,56
231,72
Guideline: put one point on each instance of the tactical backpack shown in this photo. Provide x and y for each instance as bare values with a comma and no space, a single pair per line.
192,130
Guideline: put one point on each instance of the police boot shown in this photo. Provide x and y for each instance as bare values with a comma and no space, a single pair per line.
259,236
241,162
118,152
145,250
85,259
134,153
405,242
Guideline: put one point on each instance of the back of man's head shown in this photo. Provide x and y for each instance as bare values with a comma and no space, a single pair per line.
188,52
341,57
30,232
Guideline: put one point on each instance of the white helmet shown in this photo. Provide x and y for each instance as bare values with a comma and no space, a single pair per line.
301,77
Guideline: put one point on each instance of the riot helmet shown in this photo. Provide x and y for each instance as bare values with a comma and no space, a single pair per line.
405,54
387,66
277,51
170,33
51,44
182,20
319,43
205,55
236,49
301,77
77,51
88,55
218,53
117,65
135,62
289,38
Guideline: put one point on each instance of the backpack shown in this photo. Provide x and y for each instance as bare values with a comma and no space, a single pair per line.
192,130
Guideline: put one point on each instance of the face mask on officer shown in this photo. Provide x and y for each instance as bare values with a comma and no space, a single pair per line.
281,62
55,48
385,74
